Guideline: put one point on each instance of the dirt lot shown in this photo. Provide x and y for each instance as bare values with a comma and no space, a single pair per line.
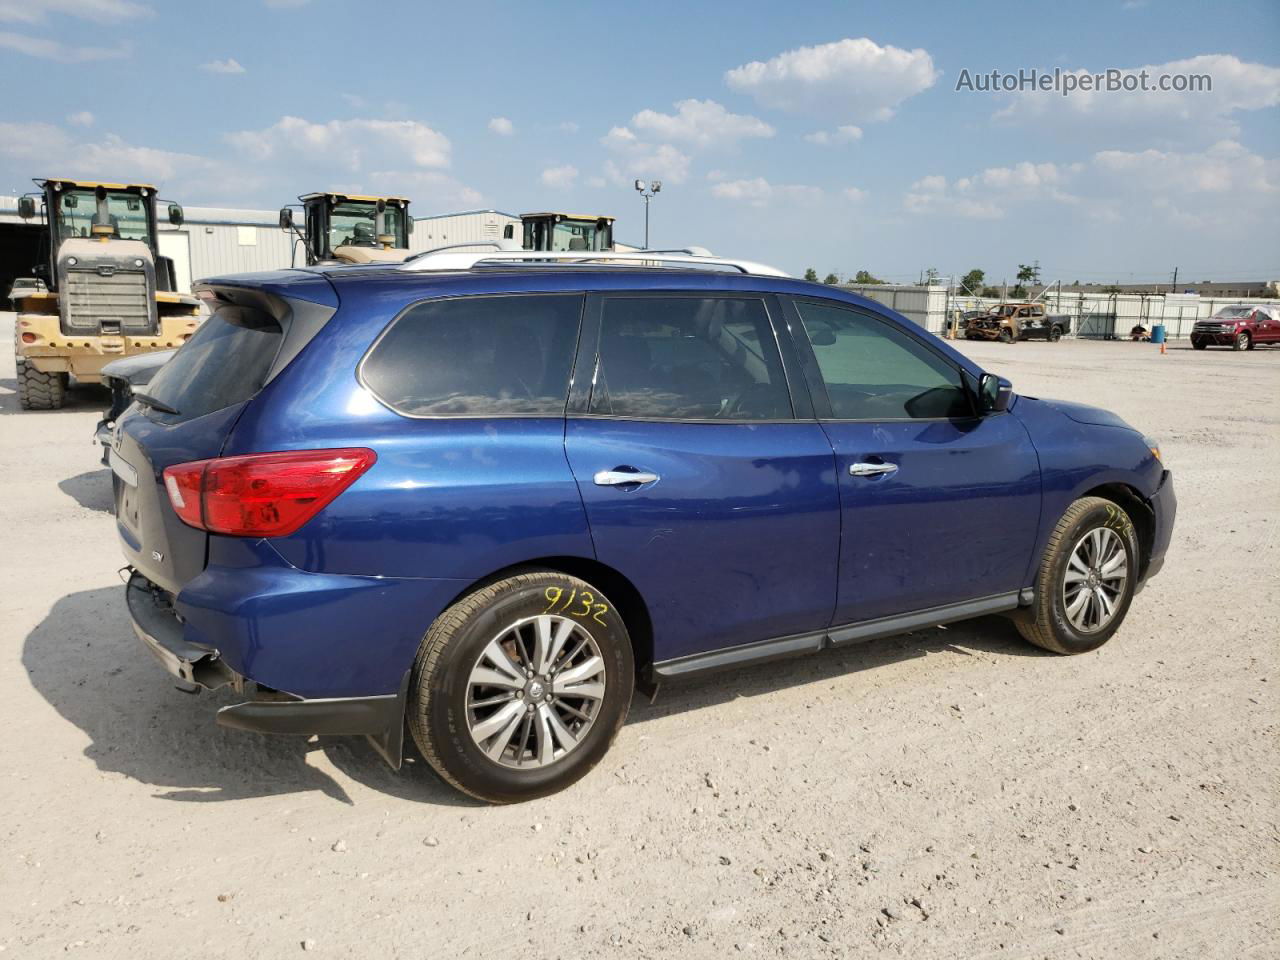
952,793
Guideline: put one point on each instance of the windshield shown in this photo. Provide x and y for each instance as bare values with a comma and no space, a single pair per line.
127,212
578,235
1233,312
1004,310
351,224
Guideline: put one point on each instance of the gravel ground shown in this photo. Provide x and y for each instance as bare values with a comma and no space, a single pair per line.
951,793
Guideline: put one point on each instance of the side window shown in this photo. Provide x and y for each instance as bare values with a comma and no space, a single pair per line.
477,356
874,371
689,358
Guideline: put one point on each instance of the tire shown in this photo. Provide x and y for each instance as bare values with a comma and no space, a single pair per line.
1049,623
1198,344
39,391
1006,336
1055,334
1242,342
446,704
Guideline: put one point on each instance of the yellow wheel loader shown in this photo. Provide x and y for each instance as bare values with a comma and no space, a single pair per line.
346,228
563,232
109,293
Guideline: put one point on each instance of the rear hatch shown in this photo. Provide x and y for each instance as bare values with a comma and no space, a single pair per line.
187,412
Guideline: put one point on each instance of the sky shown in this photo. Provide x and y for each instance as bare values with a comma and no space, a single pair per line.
830,135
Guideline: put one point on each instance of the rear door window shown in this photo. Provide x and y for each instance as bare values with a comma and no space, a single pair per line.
225,362
688,358
478,356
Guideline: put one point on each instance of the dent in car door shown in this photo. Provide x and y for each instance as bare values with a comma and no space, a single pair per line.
730,528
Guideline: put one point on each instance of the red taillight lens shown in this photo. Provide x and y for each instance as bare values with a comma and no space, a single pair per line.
262,494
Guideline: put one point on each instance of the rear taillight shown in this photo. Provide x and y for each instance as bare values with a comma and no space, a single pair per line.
262,494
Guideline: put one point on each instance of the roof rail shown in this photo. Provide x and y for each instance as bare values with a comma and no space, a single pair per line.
465,256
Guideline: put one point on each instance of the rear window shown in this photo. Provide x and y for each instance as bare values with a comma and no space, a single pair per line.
225,362
478,356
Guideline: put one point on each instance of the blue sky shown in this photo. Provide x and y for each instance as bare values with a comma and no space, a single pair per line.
823,134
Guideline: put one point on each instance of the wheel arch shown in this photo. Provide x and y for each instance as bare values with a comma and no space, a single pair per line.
620,591
1139,512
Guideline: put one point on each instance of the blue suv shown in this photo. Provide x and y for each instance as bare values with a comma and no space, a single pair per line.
489,501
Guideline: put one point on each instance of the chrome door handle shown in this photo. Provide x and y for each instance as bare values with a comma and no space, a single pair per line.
618,478
871,469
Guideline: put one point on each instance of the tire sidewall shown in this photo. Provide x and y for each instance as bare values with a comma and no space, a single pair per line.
1102,514
446,719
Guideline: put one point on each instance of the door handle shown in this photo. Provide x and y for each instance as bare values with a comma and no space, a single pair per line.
871,469
619,478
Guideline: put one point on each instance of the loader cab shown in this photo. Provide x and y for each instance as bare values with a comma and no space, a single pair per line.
564,232
93,210
351,228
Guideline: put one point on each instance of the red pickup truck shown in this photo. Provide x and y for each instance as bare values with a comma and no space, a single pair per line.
1240,327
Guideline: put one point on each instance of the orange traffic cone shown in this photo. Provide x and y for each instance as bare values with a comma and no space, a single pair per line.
1164,348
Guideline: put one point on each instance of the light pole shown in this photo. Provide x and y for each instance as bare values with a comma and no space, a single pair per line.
648,191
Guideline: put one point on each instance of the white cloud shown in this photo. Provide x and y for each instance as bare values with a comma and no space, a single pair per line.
759,191
82,119
988,194
1237,87
854,194
430,190
636,158
502,126
230,65
851,79
568,126
845,134
1225,168
560,177
345,144
702,123
53,50
101,11
597,182
106,157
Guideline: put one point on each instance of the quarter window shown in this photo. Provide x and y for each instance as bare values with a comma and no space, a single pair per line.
874,371
478,356
689,358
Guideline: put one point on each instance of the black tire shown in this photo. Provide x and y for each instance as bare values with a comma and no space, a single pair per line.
1198,344
1055,334
1252,344
1242,342
1046,624
437,710
1006,335
39,391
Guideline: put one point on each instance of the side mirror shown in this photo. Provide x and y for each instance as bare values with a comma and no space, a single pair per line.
175,214
26,207
994,393
820,334
286,218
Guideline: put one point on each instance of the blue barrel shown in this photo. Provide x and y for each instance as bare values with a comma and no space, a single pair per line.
1157,333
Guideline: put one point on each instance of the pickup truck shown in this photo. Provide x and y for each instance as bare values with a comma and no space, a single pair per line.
1010,322
1240,327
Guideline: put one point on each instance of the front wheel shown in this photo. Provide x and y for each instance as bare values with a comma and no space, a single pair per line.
1055,334
1006,336
1086,579
520,687
1199,344
1242,342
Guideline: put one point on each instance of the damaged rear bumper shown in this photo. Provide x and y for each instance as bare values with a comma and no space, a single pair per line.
198,667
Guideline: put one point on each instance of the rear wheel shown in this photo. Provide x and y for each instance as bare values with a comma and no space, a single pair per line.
1055,334
520,687
37,390
1086,579
1242,342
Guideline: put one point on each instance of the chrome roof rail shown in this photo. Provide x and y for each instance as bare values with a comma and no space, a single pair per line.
465,256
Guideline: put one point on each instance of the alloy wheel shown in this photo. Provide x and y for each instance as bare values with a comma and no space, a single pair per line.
535,691
1094,582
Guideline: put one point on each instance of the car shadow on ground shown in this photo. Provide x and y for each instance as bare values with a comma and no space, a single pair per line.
78,398
91,489
85,661
992,634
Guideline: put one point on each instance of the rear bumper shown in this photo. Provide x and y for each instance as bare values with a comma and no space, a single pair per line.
200,667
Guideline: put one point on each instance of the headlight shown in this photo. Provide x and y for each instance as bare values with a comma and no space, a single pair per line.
1154,446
